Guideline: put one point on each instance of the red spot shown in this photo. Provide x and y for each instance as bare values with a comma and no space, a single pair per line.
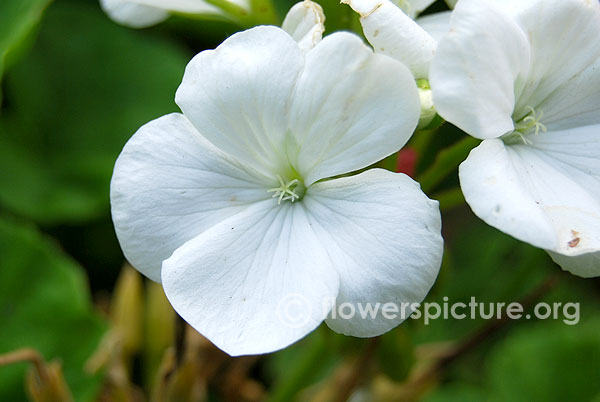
407,161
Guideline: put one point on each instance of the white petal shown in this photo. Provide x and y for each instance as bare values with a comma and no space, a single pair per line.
436,25
132,14
305,23
383,235
413,8
351,108
476,66
168,186
182,6
495,192
254,283
238,95
393,33
545,194
576,103
563,36
584,265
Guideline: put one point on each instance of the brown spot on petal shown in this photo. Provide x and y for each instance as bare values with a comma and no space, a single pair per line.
574,242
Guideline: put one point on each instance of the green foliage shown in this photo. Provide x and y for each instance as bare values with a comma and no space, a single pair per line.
44,304
546,361
457,393
70,105
17,19
481,262
302,364
528,360
82,91
395,354
550,362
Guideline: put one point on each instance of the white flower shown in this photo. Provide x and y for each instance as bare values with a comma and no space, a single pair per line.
394,33
230,205
524,76
144,13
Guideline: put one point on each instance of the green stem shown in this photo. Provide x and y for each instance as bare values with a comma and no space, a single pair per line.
446,162
260,12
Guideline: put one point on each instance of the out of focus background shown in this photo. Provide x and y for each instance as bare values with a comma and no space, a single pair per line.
76,323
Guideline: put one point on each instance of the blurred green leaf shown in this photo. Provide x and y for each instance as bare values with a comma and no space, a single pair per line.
72,103
45,305
307,362
456,393
484,263
395,354
17,19
550,362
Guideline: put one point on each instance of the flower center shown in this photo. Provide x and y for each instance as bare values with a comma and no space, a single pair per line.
528,124
292,190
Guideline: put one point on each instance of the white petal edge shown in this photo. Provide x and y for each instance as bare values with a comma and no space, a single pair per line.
169,185
476,68
584,265
451,3
416,7
391,32
254,283
351,108
305,23
132,14
436,25
383,235
182,6
238,95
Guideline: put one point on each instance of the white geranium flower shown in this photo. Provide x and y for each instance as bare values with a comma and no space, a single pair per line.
233,204
144,13
394,33
524,76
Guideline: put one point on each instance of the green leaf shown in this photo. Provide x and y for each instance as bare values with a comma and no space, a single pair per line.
548,362
45,305
456,393
302,364
72,103
395,354
17,19
483,263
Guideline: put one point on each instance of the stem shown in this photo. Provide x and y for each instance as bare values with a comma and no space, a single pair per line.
346,388
446,161
25,355
179,340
